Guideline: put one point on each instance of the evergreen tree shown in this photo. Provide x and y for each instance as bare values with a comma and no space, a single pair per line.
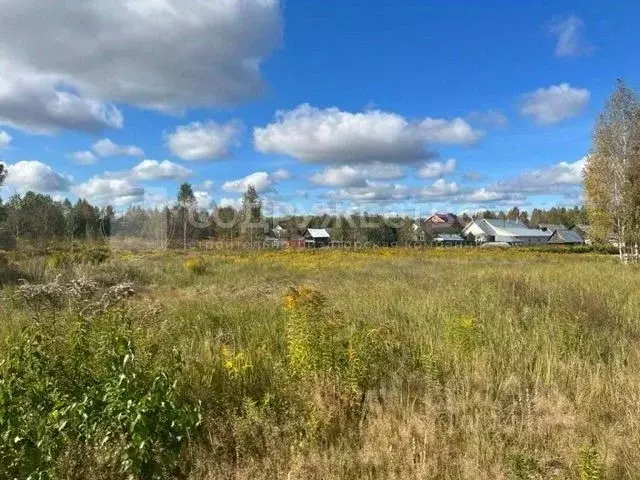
186,200
252,225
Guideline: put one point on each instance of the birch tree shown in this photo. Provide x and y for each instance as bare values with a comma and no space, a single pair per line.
611,172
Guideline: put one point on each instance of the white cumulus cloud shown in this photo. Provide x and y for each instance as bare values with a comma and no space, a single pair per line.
203,199
83,157
371,192
107,148
36,176
262,181
437,169
204,141
58,58
122,187
156,170
439,189
35,103
484,195
551,105
106,190
356,175
560,178
5,139
235,203
334,136
448,132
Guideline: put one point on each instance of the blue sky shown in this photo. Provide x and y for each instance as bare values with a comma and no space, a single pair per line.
408,107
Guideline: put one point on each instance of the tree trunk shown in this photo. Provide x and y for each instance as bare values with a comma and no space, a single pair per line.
184,231
620,236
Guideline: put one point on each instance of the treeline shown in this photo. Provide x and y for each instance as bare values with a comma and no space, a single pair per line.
555,215
37,219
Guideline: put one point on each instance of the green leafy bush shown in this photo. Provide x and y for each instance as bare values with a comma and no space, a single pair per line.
88,397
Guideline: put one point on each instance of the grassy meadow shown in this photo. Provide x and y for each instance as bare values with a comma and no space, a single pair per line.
377,364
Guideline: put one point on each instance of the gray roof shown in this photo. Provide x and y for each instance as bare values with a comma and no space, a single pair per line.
515,229
565,236
318,233
496,222
582,227
551,227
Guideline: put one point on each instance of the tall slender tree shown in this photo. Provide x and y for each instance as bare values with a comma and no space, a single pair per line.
513,214
107,215
252,214
186,200
611,172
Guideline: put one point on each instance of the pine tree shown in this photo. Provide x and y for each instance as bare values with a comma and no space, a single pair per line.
186,200
252,214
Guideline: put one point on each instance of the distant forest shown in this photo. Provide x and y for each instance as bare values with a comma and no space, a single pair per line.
38,219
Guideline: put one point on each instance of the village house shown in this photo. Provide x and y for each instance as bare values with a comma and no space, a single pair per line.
278,232
583,230
276,238
504,231
443,223
419,235
566,237
317,237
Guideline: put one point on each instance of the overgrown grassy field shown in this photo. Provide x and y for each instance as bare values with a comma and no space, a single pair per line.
400,364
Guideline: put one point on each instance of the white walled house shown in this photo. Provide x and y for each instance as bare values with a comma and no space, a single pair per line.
317,237
478,230
278,231
505,231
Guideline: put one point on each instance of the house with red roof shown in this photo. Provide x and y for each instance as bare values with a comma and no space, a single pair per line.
443,223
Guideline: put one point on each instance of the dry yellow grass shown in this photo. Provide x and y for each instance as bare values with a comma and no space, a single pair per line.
439,364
